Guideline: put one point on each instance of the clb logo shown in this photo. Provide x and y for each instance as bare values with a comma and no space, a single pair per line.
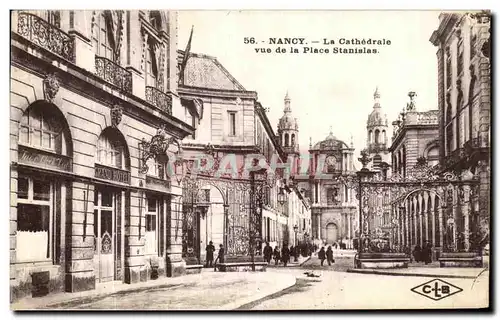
436,289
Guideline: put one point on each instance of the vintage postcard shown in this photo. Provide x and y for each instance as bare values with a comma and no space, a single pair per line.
249,160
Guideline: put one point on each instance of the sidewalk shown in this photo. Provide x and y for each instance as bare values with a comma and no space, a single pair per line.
205,291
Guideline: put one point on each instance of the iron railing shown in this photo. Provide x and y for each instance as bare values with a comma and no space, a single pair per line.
113,73
46,35
159,99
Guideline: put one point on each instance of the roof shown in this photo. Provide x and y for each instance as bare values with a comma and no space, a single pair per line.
205,71
331,142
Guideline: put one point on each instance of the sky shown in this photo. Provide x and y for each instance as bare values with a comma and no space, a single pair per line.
326,90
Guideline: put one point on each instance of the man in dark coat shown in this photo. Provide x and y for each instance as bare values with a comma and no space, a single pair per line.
427,252
277,256
322,255
417,253
220,256
268,252
210,254
285,254
329,255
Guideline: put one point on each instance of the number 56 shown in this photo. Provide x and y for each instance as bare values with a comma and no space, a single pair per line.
247,40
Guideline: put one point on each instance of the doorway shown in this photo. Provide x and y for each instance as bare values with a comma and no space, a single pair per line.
104,234
331,233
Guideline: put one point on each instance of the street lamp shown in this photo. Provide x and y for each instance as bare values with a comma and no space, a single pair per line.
296,230
281,197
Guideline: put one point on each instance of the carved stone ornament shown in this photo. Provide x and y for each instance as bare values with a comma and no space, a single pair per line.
50,87
116,115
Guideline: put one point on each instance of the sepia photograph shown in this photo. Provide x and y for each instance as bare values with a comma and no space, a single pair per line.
250,160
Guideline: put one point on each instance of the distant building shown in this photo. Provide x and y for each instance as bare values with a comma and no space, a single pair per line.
333,205
377,130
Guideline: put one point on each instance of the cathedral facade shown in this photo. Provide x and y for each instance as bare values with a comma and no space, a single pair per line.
333,205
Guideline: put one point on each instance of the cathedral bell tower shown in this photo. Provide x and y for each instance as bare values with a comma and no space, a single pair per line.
288,130
377,133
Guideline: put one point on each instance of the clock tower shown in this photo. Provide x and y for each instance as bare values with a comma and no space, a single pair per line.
377,133
288,130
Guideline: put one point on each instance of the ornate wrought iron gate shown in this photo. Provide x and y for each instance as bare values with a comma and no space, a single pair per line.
399,212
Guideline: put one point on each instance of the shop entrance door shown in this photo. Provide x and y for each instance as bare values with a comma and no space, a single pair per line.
104,233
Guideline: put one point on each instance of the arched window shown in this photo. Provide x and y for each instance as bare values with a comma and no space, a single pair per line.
111,150
42,127
370,136
377,133
286,140
102,35
384,136
155,19
293,140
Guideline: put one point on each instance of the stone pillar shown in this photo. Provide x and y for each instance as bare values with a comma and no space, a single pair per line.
441,227
81,274
80,31
432,209
318,217
466,214
425,210
349,226
176,266
415,221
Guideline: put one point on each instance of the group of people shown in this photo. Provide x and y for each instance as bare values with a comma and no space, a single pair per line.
210,255
328,255
424,253
284,255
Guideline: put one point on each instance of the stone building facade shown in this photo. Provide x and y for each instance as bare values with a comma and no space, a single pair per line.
464,97
90,199
333,205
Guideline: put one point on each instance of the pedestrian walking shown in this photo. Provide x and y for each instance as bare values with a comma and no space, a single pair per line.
268,252
329,255
292,253
427,252
220,256
276,255
417,253
285,255
210,254
322,255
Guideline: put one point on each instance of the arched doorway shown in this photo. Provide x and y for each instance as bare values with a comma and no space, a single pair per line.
212,221
331,233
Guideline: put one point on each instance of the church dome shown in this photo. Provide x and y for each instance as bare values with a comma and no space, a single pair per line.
330,143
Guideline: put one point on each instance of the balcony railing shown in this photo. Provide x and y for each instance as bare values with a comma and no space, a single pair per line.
159,99
45,35
113,73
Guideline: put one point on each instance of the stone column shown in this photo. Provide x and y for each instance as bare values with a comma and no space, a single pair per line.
176,266
415,220
425,210
349,225
80,31
432,209
466,214
318,216
441,227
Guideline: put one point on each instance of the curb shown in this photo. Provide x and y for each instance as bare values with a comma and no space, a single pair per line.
245,301
400,274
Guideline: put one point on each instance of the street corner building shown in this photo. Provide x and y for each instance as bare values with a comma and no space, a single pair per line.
100,101
94,114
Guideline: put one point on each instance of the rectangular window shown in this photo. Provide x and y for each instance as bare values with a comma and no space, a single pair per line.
152,226
34,220
232,123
